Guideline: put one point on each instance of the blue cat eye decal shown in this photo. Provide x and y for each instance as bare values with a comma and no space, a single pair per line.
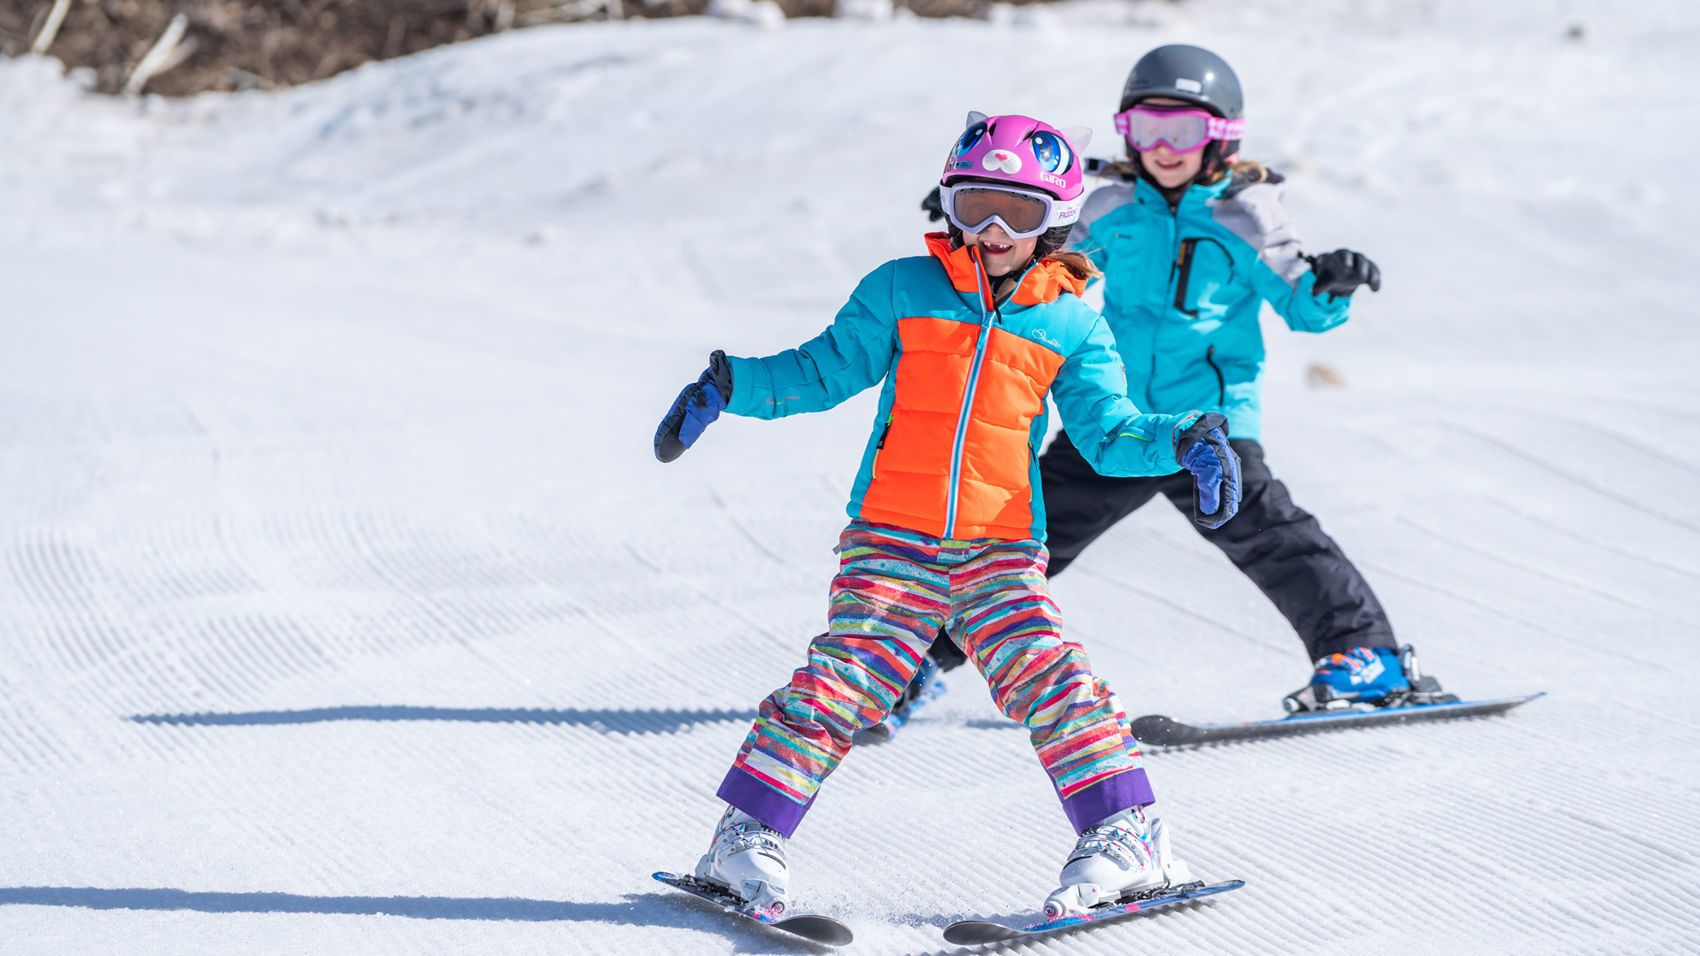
1052,151
970,136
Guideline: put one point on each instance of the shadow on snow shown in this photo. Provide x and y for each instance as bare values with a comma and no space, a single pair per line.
414,907
606,720
634,909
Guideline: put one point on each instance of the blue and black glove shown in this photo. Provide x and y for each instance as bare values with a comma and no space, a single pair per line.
1203,449
695,409
1339,273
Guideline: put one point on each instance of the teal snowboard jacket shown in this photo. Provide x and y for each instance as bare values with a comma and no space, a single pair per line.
1183,287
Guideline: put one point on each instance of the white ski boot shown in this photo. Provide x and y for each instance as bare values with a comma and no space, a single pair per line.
747,857
1118,855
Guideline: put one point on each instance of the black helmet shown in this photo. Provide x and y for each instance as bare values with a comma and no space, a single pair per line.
1188,73
1193,75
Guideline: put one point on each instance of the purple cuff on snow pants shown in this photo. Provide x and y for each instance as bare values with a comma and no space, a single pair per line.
1123,791
761,801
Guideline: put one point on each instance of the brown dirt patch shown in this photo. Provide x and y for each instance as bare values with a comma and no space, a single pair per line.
239,44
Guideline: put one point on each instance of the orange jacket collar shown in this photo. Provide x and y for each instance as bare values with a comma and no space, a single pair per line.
1044,282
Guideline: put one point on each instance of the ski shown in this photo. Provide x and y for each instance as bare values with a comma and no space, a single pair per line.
1158,730
973,932
817,929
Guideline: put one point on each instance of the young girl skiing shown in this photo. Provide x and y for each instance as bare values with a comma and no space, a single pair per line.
947,522
1192,243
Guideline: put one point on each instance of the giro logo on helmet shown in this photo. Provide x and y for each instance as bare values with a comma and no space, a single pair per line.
1001,160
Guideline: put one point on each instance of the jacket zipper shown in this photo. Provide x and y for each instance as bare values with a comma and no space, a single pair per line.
885,432
1221,383
1183,265
968,394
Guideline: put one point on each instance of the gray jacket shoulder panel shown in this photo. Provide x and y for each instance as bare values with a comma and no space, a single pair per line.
1104,200
1101,202
1254,213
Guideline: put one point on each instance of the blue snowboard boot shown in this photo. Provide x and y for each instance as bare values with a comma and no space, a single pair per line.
927,687
1367,675
1374,676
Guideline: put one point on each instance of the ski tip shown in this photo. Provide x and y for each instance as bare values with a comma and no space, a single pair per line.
818,929
1158,730
979,932
877,734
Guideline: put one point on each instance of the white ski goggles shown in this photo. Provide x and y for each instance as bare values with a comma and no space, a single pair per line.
1023,213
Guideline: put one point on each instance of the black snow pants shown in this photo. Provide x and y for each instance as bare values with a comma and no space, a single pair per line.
1273,541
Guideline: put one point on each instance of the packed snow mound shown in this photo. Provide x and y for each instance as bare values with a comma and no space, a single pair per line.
347,610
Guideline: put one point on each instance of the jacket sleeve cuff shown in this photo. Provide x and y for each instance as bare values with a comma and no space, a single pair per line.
1324,311
1177,424
751,386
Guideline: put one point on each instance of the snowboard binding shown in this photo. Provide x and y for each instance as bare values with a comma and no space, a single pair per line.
1424,690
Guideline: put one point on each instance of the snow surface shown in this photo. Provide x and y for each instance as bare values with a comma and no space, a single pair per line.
346,610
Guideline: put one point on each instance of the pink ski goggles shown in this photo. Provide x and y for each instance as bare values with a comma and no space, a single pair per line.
1184,131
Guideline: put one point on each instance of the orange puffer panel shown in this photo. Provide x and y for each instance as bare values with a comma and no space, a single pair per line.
912,468
995,498
910,483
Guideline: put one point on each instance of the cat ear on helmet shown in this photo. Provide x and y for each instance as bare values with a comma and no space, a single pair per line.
974,116
1078,137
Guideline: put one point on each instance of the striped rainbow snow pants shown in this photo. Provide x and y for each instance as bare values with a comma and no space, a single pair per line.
895,588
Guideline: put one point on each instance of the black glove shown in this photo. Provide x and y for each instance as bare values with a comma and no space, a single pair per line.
933,206
696,408
1339,273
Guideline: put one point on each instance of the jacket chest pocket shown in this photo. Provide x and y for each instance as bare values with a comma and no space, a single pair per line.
1133,261
1203,277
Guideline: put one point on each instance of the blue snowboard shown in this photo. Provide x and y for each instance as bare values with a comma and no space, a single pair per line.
1157,730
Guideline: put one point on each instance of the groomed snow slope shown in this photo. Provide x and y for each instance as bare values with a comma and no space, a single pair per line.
346,610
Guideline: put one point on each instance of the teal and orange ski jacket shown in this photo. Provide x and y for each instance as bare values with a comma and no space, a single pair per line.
955,445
